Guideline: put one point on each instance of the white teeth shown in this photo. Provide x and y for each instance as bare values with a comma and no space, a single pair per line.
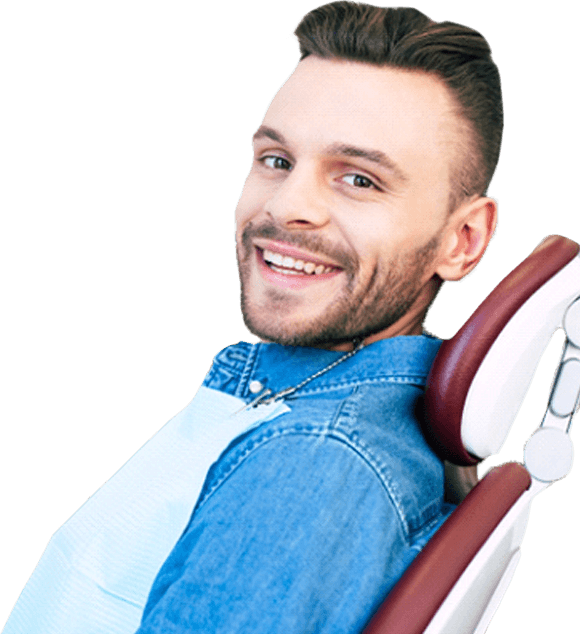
277,260
285,271
290,263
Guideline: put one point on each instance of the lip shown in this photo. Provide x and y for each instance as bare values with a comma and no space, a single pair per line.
292,282
293,252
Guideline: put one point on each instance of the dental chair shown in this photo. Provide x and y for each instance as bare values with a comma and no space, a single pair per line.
476,385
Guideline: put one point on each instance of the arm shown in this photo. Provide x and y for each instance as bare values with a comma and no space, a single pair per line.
300,536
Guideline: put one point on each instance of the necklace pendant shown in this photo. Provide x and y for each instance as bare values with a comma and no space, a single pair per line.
257,401
279,396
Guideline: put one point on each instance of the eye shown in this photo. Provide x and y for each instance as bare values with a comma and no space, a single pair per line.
276,163
357,180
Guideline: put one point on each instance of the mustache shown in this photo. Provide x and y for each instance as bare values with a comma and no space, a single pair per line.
312,242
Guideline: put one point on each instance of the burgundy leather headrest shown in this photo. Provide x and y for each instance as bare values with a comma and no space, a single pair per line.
460,358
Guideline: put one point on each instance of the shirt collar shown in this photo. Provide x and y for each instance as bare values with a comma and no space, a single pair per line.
277,367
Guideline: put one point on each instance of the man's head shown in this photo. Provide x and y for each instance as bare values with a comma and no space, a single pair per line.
370,168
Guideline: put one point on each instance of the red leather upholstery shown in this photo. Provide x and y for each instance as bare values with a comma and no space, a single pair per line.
426,583
460,357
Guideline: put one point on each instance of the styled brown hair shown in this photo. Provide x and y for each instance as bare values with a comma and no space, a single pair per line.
407,39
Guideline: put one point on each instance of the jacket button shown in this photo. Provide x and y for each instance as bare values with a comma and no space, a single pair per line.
255,387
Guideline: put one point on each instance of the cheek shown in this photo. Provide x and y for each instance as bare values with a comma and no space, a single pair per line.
428,204
249,200
243,212
372,237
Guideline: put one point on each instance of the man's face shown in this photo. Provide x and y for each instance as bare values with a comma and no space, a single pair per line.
343,210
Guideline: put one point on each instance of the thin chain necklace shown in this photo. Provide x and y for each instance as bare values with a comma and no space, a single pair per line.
264,397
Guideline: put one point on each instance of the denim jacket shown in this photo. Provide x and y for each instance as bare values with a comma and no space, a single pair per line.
307,520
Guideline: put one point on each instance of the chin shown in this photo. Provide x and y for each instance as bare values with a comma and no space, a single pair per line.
282,330
324,328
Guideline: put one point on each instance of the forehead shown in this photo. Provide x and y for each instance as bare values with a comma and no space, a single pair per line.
409,115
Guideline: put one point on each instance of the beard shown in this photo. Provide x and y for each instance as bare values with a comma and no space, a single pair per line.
360,309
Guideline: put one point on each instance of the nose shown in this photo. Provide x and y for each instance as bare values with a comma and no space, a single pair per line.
300,201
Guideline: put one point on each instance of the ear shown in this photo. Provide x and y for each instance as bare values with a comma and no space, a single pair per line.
468,232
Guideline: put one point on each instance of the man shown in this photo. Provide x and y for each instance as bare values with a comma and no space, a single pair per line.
366,192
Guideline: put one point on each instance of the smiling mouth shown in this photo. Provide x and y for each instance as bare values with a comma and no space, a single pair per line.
287,265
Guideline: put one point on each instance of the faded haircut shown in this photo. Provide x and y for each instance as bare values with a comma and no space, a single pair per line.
407,39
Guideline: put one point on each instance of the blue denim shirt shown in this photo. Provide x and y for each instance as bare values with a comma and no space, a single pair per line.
306,521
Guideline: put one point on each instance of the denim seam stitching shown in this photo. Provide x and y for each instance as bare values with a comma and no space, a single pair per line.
247,370
305,430
348,408
339,385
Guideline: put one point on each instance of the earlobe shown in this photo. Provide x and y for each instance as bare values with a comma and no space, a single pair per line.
466,237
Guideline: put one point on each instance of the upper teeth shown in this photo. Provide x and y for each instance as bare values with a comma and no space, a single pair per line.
290,263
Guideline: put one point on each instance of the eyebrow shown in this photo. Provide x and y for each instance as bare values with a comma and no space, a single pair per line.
374,156
342,149
265,132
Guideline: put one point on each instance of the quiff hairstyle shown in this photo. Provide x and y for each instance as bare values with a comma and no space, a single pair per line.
407,39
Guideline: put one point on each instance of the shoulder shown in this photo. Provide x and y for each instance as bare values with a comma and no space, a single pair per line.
361,441
297,456
382,423
291,508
